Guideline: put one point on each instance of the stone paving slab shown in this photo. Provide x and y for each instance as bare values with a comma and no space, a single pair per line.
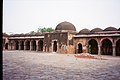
30,65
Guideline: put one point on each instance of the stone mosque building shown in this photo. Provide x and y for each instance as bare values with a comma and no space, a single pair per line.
65,39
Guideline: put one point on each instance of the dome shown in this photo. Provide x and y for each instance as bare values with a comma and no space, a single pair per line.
96,30
110,29
84,31
65,26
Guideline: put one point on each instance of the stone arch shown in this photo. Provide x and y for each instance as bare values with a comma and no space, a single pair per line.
33,45
118,47
16,45
27,44
93,46
22,45
106,38
54,46
79,48
6,45
106,47
40,45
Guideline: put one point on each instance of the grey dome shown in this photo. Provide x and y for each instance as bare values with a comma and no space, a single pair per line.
84,31
65,26
96,30
110,29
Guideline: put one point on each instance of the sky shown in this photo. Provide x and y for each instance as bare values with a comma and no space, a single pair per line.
23,16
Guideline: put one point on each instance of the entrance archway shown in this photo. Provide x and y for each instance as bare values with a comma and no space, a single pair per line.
17,45
40,45
55,46
118,48
27,44
6,46
34,45
79,48
22,45
93,46
107,47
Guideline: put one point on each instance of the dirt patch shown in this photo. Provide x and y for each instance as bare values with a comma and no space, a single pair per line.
89,56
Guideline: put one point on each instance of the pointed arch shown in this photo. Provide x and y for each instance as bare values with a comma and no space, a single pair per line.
16,45
54,46
33,42
93,46
79,47
118,48
22,45
106,47
6,45
40,45
27,44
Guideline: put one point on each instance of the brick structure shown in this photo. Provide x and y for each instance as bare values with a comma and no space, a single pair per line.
65,39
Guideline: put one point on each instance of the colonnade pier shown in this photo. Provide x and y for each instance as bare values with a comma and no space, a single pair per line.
65,39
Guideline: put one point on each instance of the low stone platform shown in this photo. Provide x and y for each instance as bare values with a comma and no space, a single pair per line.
30,65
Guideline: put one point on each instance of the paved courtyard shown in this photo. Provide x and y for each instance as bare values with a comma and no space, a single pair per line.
30,65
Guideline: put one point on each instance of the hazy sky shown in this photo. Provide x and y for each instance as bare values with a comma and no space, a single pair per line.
22,16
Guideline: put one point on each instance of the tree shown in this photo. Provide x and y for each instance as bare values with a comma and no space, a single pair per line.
50,29
42,30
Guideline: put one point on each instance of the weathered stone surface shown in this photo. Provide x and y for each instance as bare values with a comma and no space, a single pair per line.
26,65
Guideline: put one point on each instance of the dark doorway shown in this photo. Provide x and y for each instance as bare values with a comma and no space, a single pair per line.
6,46
79,48
118,48
40,45
55,46
34,45
106,47
93,46
27,45
22,45
17,45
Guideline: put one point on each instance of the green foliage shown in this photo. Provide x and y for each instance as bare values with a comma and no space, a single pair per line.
42,30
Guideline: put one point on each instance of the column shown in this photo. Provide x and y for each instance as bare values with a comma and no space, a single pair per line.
57,47
87,47
37,47
24,45
52,47
114,52
99,50
76,48
30,45
19,46
84,49
9,46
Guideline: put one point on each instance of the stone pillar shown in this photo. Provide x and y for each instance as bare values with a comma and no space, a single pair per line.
114,52
52,47
9,46
37,46
87,47
19,46
24,46
76,49
84,49
30,45
57,47
99,50
44,48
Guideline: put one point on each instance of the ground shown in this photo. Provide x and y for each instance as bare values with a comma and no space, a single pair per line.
30,65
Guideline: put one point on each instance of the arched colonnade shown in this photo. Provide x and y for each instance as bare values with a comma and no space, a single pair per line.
32,45
105,46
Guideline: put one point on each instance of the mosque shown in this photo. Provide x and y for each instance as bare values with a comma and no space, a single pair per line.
65,39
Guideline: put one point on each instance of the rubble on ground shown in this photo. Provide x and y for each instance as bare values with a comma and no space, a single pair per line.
89,56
